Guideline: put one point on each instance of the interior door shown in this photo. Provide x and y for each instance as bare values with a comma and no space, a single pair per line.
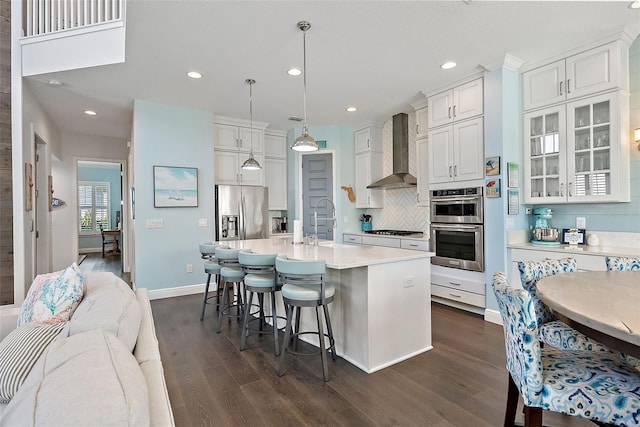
317,184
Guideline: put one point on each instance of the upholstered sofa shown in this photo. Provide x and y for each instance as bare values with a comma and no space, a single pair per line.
102,368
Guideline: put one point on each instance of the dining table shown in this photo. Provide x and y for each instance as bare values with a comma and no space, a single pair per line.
603,305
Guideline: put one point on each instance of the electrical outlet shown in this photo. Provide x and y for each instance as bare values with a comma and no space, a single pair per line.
581,222
408,282
202,222
527,211
189,268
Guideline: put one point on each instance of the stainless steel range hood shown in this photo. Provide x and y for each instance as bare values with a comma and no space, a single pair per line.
401,178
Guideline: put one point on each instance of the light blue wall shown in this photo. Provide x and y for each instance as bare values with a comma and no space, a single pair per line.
171,136
502,135
339,139
101,175
621,217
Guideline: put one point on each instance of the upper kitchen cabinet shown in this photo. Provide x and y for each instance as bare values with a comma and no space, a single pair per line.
228,168
422,122
368,139
275,168
456,153
459,103
586,73
578,152
422,171
238,135
368,170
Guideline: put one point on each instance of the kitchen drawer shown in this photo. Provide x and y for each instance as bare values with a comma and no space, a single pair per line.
458,284
418,245
457,295
381,241
351,239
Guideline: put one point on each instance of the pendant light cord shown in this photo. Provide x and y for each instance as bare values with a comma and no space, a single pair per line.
304,78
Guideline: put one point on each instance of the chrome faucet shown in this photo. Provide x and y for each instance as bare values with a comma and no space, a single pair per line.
315,217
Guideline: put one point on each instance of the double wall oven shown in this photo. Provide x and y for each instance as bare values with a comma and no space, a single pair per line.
457,228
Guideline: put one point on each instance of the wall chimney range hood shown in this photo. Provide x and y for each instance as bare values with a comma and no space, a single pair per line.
400,178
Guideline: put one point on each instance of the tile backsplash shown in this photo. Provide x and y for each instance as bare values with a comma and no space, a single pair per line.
400,210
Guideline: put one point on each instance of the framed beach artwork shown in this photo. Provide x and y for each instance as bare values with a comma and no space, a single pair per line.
492,166
175,187
492,188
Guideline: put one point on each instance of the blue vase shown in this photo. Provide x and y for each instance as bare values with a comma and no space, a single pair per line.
366,226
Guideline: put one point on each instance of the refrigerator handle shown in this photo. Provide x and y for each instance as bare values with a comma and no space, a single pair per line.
243,231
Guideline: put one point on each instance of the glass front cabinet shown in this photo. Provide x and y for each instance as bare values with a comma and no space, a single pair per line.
576,152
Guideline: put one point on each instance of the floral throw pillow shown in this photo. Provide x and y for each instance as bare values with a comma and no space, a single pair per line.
53,297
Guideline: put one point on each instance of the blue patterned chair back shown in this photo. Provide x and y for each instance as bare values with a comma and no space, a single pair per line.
524,361
532,271
615,263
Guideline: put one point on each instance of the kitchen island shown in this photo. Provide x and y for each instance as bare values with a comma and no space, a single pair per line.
381,314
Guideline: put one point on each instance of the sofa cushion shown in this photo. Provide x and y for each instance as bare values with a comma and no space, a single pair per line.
147,344
89,379
109,304
19,351
53,297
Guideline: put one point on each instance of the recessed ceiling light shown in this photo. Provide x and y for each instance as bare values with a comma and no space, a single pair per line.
634,5
194,75
54,82
351,109
448,65
294,71
90,112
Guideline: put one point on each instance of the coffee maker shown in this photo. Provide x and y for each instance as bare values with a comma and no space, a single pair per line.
542,233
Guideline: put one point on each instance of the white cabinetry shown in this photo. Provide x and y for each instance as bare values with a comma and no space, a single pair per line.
456,152
233,139
578,152
352,239
368,167
459,103
422,175
422,122
458,288
228,169
275,168
596,70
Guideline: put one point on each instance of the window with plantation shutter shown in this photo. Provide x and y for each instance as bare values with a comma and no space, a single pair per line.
93,206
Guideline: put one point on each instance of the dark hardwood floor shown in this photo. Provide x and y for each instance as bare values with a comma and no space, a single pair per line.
95,262
461,382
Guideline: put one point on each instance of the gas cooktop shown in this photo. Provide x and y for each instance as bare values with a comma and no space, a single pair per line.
396,233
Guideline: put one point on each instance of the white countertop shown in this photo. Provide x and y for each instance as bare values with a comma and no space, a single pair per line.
580,249
336,255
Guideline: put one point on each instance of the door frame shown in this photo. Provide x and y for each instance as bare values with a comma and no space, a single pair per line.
333,189
124,207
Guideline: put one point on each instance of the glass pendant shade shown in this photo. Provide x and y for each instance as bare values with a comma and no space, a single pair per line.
304,142
251,164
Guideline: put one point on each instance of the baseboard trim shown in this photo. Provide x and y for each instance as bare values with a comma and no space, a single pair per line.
492,316
176,292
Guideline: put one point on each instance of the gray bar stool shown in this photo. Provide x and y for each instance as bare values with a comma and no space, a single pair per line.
230,272
260,279
208,253
303,285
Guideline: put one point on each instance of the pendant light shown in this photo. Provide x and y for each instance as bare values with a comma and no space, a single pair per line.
251,164
304,142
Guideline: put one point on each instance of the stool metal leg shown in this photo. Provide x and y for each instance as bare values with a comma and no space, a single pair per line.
206,296
245,324
332,342
225,297
323,350
295,337
275,321
287,330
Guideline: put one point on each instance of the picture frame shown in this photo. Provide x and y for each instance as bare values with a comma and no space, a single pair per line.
175,187
513,201
50,180
574,236
492,188
513,175
492,166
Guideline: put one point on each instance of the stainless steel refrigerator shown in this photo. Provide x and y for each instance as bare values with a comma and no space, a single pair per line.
241,212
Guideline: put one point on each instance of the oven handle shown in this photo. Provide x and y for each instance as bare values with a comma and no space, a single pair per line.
454,198
460,227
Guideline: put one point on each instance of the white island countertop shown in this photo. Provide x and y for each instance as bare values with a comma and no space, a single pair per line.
336,255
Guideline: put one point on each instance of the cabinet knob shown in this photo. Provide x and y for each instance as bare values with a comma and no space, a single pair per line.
570,189
562,189
568,86
368,143
454,111
560,88
455,170
449,112
417,128
450,171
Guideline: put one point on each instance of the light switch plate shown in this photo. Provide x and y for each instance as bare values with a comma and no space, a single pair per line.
581,222
202,222
155,223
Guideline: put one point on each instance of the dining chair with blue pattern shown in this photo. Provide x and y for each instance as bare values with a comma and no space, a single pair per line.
616,263
599,386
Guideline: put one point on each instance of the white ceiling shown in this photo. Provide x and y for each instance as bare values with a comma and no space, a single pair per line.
376,55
